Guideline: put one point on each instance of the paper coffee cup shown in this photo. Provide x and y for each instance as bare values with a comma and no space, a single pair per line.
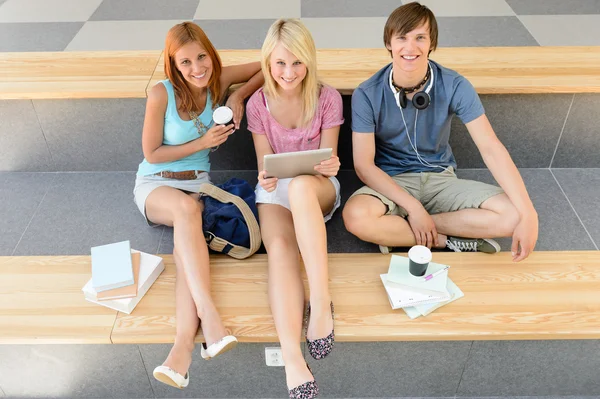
222,115
419,257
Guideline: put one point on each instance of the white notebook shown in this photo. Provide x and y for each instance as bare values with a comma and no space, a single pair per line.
151,266
401,296
424,309
111,266
399,273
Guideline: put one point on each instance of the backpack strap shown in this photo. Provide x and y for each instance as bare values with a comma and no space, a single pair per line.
219,244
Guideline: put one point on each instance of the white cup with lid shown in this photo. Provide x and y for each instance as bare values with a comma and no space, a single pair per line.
223,115
419,257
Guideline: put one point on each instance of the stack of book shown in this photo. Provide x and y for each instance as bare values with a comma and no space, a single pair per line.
416,295
121,276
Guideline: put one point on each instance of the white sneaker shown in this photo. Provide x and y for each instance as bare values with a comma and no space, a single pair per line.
226,343
171,377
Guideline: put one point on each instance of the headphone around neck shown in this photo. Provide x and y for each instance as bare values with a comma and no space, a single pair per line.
420,100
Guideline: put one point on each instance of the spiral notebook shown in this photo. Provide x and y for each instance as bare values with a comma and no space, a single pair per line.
401,296
424,309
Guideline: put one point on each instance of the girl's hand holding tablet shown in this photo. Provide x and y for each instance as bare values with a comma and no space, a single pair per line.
330,167
268,183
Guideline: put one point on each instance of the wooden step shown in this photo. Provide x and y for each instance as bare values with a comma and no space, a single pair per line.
127,74
551,295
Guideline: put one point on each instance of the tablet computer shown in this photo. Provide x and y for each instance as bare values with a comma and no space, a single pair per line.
292,164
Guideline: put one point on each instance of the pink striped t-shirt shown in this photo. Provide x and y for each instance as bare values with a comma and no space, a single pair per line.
282,139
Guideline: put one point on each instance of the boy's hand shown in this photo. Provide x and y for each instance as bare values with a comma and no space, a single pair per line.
423,227
524,237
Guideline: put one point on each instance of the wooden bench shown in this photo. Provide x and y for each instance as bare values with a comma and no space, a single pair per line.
128,74
551,295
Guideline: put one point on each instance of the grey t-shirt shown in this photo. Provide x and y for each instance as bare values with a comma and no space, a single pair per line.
374,110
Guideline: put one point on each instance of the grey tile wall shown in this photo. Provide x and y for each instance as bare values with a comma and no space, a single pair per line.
579,145
93,134
82,210
22,140
528,125
559,227
105,134
21,195
582,187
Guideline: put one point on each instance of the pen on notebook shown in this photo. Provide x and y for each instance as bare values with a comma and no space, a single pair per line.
432,275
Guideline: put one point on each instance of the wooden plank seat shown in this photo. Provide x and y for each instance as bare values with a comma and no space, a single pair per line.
119,74
552,295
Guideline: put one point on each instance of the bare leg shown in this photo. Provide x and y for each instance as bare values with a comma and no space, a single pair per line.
180,357
171,207
497,217
310,198
364,216
286,290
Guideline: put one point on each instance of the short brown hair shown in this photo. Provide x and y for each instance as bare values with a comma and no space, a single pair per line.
408,17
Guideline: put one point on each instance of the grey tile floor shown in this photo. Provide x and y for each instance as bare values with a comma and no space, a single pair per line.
482,369
72,25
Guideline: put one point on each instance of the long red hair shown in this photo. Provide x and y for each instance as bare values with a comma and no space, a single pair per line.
177,37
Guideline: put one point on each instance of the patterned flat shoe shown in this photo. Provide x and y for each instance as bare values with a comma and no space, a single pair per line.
308,390
321,347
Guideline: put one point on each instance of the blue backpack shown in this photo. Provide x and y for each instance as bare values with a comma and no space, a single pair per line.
230,218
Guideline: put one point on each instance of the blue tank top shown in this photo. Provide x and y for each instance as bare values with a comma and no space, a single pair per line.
177,131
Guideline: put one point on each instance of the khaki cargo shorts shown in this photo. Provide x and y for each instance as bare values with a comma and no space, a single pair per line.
438,192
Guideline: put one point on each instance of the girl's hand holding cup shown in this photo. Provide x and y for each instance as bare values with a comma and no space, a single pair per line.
222,128
216,135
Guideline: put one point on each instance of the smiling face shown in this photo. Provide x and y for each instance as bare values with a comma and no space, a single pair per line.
287,70
194,63
410,51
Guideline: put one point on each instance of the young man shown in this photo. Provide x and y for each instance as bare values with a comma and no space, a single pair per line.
401,125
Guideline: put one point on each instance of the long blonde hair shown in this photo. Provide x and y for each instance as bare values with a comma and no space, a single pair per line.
177,37
296,38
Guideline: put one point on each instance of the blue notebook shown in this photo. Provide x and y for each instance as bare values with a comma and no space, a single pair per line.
111,266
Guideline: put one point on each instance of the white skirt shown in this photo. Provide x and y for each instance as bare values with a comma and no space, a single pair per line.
144,185
280,196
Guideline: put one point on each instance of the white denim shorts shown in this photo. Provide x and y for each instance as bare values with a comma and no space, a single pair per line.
280,196
144,185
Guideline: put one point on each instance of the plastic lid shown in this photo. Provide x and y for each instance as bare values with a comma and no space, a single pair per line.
222,115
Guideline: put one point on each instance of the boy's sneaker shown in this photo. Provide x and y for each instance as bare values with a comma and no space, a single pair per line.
385,250
459,244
